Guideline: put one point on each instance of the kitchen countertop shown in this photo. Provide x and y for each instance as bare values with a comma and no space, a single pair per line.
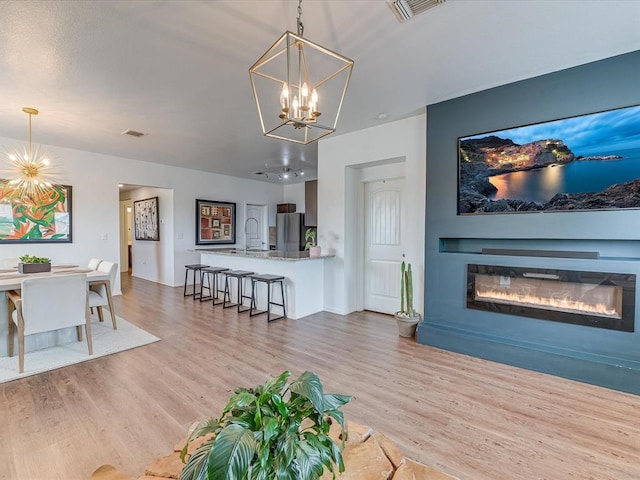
263,254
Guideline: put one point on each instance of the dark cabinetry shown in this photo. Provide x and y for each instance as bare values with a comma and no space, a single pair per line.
311,203
286,208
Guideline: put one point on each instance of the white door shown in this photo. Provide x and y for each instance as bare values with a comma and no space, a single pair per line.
383,237
255,226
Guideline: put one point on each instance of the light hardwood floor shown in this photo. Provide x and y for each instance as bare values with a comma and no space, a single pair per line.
469,417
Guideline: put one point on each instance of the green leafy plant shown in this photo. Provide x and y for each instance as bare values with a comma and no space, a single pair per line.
310,238
277,430
34,259
406,291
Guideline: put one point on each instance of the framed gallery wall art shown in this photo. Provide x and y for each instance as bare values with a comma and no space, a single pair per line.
215,222
43,218
145,219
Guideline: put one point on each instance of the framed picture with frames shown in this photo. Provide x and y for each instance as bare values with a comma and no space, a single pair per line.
215,222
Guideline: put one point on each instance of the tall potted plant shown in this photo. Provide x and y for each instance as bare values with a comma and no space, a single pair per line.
407,318
278,430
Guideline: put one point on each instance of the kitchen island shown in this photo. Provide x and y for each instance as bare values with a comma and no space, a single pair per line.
304,275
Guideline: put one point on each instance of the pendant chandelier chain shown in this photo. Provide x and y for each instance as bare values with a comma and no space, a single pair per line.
299,19
30,144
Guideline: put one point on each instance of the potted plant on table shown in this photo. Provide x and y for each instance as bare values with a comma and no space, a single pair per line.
278,430
407,318
33,264
310,237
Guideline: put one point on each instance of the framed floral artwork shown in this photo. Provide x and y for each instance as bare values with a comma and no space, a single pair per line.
42,218
215,222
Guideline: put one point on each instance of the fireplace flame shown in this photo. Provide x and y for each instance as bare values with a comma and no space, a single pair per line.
558,304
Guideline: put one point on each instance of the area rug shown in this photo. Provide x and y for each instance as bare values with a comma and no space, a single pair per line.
106,341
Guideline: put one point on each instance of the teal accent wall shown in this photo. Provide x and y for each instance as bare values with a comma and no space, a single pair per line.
592,355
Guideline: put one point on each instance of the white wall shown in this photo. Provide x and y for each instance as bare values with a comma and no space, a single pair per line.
153,260
340,159
95,209
294,193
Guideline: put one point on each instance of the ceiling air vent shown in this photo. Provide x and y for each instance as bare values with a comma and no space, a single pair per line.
406,9
133,133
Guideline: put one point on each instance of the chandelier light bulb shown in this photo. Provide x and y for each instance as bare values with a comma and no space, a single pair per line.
304,92
315,110
284,98
295,108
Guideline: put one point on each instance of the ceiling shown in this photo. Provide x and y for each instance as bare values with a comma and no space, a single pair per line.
178,70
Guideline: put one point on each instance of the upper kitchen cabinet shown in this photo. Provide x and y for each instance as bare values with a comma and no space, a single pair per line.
311,203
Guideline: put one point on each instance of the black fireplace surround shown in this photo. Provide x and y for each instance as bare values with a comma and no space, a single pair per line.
594,299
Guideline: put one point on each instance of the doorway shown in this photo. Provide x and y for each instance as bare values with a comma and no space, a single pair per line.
126,235
255,229
383,239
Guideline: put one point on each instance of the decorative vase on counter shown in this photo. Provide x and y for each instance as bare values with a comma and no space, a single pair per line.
34,267
315,251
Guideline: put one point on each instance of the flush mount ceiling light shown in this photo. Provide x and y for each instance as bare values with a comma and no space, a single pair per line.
284,173
30,172
299,87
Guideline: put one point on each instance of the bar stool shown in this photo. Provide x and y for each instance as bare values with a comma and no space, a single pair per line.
269,280
195,268
240,276
212,286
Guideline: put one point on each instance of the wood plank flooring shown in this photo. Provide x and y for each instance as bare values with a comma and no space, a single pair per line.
468,417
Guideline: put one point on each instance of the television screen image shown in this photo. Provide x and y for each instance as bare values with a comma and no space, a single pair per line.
589,162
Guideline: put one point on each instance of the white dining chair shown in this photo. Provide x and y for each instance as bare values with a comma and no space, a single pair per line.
93,263
48,303
9,262
100,291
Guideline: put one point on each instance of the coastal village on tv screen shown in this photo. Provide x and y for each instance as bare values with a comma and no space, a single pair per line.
588,162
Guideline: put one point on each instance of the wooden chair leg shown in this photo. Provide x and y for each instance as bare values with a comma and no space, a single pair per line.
79,332
12,330
100,317
88,329
20,344
111,307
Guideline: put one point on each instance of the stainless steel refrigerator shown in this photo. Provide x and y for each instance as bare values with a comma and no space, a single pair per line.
290,232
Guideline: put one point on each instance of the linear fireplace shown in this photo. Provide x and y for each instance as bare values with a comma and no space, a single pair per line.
595,299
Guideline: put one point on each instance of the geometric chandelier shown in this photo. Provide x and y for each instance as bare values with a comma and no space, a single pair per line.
299,87
30,172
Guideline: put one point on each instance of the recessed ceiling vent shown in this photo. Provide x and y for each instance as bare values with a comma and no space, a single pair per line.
407,9
133,133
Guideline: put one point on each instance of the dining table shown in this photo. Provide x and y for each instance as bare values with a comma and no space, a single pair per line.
11,279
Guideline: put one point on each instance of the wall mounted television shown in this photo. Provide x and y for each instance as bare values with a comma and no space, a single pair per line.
582,163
